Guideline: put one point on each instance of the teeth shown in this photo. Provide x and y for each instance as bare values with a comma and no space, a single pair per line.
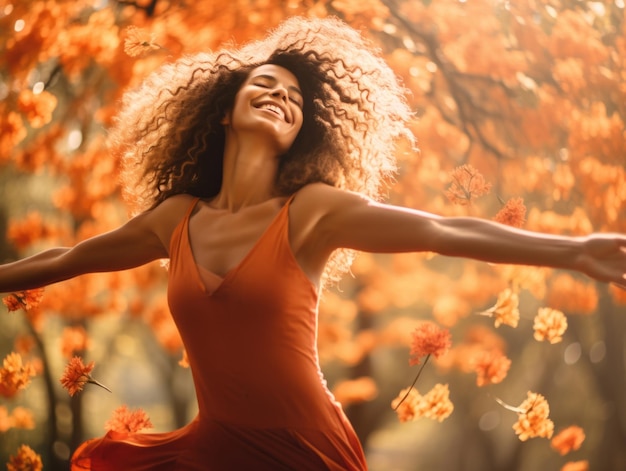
274,108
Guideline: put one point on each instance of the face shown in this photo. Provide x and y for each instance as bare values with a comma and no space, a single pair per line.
269,102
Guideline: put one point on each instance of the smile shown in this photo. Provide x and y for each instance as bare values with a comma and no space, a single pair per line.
273,108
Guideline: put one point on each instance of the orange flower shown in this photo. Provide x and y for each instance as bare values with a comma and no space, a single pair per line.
14,375
467,184
568,439
506,309
513,213
25,460
74,340
138,41
550,324
533,418
127,421
428,339
26,300
12,302
77,374
32,228
576,466
184,361
355,391
491,367
37,108
22,418
12,131
436,405
406,404
571,295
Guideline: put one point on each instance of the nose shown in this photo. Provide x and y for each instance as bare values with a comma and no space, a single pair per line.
279,92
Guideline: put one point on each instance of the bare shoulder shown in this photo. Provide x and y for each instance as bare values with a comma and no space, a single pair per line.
164,218
316,212
319,200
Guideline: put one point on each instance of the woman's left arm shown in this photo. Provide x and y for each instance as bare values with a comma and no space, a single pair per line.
348,220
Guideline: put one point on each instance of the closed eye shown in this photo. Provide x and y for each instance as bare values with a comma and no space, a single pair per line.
296,101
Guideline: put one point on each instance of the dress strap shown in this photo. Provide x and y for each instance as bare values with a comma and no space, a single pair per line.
192,205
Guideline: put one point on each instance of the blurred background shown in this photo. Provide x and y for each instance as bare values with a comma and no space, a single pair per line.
530,93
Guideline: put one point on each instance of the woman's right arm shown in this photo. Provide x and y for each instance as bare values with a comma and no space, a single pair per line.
141,240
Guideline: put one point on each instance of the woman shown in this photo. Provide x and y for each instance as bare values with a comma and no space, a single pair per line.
256,172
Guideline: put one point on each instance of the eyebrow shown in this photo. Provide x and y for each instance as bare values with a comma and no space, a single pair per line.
273,79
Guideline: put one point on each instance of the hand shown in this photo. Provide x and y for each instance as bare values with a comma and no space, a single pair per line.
604,258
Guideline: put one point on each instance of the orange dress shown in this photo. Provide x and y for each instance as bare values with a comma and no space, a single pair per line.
251,342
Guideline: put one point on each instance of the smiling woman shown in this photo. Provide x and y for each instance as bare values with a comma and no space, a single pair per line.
236,136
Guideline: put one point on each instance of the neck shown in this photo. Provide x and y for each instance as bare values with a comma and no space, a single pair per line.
249,174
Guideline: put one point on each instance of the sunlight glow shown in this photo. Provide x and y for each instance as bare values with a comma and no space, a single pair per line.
598,8
19,25
572,353
74,139
489,421
38,88
597,352
551,11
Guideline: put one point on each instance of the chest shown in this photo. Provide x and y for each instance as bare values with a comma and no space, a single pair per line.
221,240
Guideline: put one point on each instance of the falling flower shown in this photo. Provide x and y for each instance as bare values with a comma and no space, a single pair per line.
550,324
77,374
138,41
26,300
491,367
25,460
428,339
467,184
128,421
533,418
436,404
513,213
568,439
576,466
74,340
406,404
15,375
506,309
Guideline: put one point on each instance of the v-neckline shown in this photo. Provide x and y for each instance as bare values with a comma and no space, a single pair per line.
233,270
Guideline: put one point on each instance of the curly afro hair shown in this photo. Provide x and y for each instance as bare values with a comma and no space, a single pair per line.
170,139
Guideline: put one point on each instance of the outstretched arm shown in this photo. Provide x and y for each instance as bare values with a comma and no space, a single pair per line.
350,221
135,243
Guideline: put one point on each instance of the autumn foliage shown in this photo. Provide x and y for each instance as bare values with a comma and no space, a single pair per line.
520,112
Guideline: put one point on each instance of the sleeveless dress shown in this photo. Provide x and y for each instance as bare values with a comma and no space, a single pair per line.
251,342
